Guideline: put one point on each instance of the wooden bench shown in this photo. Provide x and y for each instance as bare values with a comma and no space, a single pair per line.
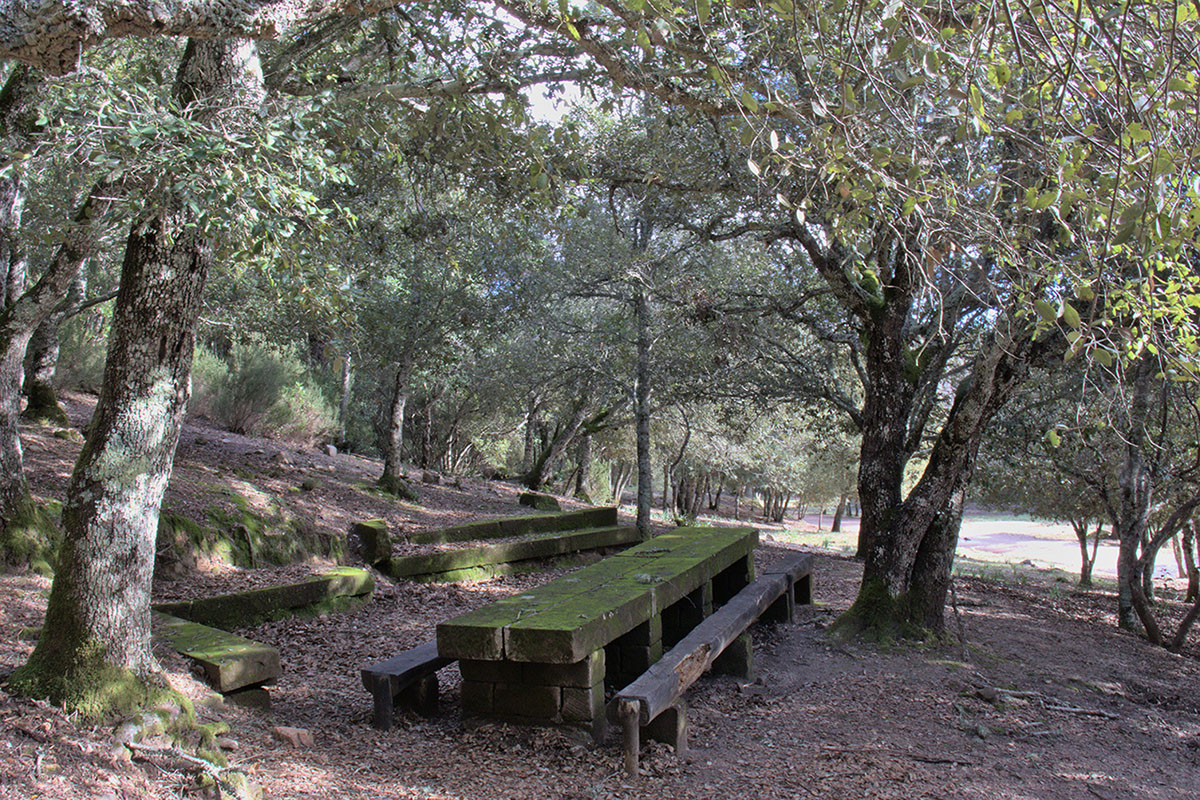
545,656
409,680
653,701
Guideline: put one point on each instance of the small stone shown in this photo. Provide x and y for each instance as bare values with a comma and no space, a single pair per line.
226,743
982,731
988,693
296,737
431,477
330,450
309,484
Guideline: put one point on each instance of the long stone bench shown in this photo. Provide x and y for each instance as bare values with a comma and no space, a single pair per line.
653,704
473,562
338,589
545,656
518,525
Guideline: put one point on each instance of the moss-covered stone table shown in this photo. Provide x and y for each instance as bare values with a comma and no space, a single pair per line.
545,656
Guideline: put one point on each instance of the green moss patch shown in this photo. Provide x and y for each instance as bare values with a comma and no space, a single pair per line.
251,534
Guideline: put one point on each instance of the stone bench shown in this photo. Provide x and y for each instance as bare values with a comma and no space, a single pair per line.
546,655
653,703
231,663
409,681
482,560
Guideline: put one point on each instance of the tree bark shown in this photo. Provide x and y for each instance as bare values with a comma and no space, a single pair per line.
1137,492
1189,560
836,525
97,632
583,480
393,450
907,567
344,396
641,391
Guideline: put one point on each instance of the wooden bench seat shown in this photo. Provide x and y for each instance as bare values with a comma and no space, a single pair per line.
652,702
408,680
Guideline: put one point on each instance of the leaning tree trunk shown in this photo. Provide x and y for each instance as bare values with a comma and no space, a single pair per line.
583,478
95,644
836,525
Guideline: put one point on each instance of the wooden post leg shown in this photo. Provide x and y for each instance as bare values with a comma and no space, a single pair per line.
381,692
630,714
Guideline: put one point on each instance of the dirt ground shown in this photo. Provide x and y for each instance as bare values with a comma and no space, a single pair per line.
1046,700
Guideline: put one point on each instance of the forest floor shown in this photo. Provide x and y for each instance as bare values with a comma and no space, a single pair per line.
1044,699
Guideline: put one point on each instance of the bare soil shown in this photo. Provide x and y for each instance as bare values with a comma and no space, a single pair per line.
1045,700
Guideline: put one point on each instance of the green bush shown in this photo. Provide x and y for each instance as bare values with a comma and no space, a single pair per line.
261,390
301,415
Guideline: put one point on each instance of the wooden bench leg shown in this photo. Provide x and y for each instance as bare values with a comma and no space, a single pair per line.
381,694
630,714
670,727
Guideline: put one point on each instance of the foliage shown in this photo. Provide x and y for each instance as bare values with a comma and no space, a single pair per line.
261,389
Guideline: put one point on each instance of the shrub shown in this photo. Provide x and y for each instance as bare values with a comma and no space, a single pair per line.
301,415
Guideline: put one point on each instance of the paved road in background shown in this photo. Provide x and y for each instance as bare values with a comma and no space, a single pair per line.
989,537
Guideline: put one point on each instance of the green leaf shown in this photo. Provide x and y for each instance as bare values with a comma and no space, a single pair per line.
1052,438
750,102
1084,292
1045,310
1070,315
703,8
1103,356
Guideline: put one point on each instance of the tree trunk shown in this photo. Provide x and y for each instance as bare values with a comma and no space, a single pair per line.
1137,493
836,525
907,566
344,396
641,391
1081,529
393,451
23,311
1189,560
527,453
96,639
41,359
1148,557
563,436
583,480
